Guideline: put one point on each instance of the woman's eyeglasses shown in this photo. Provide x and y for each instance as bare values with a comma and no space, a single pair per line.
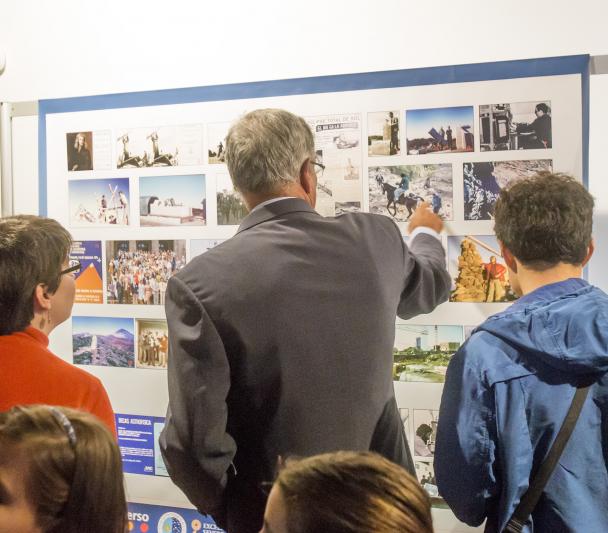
73,268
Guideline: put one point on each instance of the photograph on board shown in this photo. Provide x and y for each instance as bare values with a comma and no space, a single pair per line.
396,191
425,432
103,341
517,126
443,129
422,353
478,271
483,182
231,209
161,146
152,343
89,283
425,472
383,133
80,148
172,200
99,202
216,142
137,271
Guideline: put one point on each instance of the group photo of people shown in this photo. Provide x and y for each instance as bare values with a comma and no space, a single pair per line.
152,344
138,271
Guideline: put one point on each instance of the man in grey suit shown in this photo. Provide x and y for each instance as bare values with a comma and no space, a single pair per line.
281,338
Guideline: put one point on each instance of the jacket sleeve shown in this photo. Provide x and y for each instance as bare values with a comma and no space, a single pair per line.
194,443
466,440
427,281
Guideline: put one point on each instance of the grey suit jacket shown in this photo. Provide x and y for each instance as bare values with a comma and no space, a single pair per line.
280,343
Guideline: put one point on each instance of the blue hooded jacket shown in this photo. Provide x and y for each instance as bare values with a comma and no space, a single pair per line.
506,395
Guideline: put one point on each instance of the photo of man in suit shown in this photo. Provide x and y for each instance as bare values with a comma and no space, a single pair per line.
281,338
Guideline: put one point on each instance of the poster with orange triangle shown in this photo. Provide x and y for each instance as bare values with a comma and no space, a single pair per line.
89,283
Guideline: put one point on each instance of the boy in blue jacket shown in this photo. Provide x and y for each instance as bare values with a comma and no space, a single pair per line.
509,387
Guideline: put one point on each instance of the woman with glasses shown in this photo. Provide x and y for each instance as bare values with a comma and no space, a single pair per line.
37,288
60,472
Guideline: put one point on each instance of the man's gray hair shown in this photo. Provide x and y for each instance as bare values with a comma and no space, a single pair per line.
266,148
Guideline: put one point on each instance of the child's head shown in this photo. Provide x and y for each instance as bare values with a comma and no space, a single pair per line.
545,221
60,471
347,492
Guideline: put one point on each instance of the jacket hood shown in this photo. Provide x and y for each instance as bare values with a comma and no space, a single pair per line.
564,324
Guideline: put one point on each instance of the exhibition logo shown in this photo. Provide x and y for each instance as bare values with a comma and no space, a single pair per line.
172,523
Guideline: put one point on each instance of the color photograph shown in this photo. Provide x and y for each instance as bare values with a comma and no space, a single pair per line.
138,271
80,148
152,343
99,202
478,271
422,353
483,182
518,126
383,133
103,341
89,283
172,200
396,191
231,209
446,129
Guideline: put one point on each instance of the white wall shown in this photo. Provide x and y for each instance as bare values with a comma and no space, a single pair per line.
65,48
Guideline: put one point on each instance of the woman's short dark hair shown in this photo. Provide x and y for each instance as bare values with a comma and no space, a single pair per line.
73,482
350,492
32,251
545,220
542,107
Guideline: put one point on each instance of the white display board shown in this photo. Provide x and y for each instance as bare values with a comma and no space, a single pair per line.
143,176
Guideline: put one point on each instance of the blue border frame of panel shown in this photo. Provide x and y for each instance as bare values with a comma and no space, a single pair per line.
500,70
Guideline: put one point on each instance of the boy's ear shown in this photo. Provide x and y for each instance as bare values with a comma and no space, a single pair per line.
508,257
590,250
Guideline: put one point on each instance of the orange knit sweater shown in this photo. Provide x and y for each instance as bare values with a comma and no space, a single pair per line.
31,374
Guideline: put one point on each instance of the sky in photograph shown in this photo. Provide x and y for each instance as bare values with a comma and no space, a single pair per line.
406,334
185,190
100,325
86,192
420,121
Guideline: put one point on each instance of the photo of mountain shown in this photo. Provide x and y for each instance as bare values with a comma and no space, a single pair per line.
102,341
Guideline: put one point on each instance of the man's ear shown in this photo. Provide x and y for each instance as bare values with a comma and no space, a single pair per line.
42,298
508,257
590,250
308,179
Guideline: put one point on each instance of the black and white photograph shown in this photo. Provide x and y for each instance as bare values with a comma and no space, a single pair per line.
383,133
516,126
80,150
396,191
231,209
137,271
425,432
483,182
172,200
216,142
162,146
152,343
440,130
